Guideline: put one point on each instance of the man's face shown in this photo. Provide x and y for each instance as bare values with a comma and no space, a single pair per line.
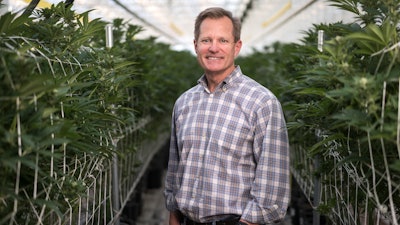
216,48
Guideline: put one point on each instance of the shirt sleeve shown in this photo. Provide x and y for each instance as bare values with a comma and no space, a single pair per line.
170,182
270,191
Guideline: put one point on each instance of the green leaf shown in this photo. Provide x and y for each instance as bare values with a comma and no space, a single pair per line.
352,116
396,166
53,205
320,146
37,85
347,5
375,31
10,23
350,159
364,37
312,91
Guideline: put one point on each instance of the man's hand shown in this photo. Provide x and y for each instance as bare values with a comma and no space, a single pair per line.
174,218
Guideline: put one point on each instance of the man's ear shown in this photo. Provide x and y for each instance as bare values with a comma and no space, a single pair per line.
195,45
238,46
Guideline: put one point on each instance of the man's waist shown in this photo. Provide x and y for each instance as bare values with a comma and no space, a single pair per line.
228,221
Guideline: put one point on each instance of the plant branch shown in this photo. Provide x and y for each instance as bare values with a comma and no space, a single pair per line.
32,5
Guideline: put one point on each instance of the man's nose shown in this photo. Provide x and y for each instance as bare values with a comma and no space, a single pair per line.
214,46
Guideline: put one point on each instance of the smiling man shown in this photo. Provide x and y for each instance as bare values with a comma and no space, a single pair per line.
217,43
229,150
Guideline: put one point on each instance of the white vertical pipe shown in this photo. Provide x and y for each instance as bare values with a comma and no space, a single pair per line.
109,36
320,40
114,175
317,182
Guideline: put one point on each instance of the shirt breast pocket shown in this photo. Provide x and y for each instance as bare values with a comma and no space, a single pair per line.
235,140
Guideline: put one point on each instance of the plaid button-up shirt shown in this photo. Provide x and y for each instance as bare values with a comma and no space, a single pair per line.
229,153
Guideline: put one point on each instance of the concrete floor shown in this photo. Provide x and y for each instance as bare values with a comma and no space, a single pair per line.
154,211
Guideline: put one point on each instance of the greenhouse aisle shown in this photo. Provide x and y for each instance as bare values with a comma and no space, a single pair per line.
155,213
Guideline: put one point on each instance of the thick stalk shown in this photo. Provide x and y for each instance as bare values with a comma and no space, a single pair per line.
32,5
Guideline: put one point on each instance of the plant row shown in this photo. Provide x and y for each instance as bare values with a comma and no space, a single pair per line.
63,95
342,106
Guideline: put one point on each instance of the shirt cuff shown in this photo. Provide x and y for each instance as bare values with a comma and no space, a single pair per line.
255,214
170,202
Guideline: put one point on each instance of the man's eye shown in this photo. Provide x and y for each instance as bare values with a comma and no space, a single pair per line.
205,40
224,41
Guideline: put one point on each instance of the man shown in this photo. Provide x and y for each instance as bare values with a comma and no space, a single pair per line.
229,153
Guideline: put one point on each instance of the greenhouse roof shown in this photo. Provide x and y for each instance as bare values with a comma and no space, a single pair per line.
172,21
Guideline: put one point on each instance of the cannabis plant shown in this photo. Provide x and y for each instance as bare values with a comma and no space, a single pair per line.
345,102
65,101
342,107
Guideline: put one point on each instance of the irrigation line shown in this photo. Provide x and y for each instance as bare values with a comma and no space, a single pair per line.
104,202
35,182
398,120
31,204
16,190
389,186
385,50
373,168
52,149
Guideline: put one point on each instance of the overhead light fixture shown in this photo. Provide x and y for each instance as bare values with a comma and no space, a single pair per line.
41,4
176,29
278,14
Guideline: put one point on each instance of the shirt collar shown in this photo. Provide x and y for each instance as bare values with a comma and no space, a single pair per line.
229,81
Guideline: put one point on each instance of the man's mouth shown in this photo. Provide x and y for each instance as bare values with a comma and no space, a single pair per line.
213,58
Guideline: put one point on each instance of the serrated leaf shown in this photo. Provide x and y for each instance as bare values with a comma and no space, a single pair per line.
318,147
10,22
312,91
37,85
363,36
352,116
374,29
